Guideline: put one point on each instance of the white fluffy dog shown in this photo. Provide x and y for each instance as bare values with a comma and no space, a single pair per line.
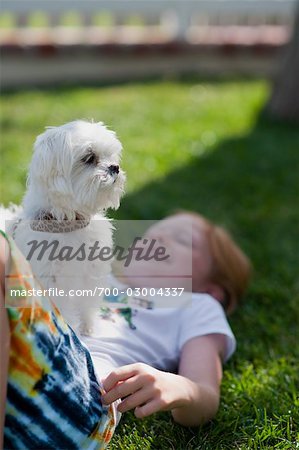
74,177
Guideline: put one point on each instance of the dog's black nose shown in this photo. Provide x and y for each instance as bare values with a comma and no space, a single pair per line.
114,168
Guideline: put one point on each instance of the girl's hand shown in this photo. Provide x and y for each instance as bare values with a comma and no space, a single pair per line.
145,389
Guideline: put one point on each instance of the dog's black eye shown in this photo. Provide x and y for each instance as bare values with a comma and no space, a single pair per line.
90,158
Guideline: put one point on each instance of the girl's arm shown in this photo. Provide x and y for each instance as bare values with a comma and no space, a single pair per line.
201,367
192,396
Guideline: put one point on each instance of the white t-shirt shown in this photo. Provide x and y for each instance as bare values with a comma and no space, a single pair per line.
155,335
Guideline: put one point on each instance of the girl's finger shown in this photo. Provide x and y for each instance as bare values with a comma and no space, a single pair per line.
147,409
123,389
119,374
137,399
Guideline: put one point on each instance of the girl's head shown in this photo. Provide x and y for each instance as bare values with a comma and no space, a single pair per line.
219,266
197,246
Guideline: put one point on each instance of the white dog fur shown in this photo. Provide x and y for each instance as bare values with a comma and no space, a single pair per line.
74,174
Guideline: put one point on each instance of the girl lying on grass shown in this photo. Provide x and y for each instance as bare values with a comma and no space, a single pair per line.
66,392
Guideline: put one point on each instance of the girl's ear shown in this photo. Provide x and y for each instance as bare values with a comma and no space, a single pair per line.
216,291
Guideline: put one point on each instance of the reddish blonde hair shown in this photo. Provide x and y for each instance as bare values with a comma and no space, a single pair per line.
231,268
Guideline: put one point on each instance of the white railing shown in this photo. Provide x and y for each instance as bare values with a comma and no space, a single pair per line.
177,15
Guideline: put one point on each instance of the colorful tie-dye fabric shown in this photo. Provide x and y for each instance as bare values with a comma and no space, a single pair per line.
53,395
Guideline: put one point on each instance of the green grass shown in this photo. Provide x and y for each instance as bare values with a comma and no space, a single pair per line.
201,146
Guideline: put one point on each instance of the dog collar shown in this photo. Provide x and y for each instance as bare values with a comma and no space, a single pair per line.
45,222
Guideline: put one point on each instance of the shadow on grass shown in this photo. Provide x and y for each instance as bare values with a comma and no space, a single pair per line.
74,86
249,184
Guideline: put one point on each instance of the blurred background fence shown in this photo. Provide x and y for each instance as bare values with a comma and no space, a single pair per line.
45,42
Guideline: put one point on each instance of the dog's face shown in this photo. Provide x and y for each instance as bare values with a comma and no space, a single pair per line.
77,165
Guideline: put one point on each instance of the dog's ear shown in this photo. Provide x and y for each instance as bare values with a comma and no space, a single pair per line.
51,165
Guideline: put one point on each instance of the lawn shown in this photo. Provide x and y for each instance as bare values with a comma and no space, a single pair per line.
203,146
